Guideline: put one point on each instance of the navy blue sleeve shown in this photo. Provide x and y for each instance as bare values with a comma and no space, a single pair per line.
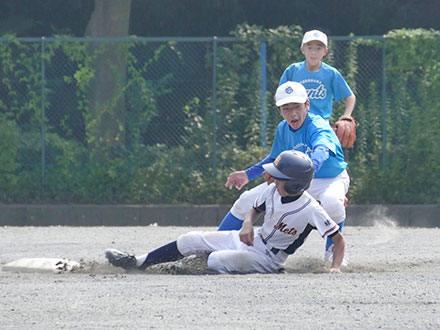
256,170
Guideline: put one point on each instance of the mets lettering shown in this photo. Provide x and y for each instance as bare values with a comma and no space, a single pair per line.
282,227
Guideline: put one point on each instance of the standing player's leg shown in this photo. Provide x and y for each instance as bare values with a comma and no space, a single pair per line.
234,218
330,192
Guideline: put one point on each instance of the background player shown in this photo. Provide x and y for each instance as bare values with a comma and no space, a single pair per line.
311,134
323,82
291,215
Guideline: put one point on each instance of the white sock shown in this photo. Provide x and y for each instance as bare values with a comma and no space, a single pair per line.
141,259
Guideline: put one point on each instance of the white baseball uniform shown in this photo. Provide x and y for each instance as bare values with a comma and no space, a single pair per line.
287,223
330,192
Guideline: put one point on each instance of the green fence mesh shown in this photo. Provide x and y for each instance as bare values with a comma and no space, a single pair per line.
165,120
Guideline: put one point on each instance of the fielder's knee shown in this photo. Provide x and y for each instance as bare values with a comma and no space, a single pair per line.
334,207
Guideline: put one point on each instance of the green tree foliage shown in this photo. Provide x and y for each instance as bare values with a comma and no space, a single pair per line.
239,81
178,146
9,140
414,152
409,172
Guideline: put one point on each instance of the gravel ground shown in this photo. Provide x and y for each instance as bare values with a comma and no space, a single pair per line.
392,282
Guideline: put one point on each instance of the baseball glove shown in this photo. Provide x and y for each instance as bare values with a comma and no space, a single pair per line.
345,129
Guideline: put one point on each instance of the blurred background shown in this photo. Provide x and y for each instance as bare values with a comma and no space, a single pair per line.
158,101
207,18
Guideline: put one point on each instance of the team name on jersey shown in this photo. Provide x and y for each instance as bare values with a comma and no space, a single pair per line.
303,148
318,93
283,228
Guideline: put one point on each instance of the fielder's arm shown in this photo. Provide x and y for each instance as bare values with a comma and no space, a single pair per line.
350,102
240,178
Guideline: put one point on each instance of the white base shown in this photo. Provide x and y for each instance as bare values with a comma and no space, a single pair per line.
43,265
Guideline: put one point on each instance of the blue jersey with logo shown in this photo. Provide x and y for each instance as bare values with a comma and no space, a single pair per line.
322,86
315,131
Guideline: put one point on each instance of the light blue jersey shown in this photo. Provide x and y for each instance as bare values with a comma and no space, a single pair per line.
322,86
315,131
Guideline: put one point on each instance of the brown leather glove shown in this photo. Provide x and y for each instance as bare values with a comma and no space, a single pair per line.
345,129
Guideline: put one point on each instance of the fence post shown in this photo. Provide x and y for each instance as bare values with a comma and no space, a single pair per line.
214,106
263,89
384,108
43,111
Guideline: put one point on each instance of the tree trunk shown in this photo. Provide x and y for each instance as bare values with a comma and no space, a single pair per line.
105,118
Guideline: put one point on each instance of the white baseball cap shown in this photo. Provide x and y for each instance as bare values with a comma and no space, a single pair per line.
315,35
290,92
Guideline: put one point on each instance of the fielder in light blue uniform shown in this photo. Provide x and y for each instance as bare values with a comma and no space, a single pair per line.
323,82
323,86
302,131
314,132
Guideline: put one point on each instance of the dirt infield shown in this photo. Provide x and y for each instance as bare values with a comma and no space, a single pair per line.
392,282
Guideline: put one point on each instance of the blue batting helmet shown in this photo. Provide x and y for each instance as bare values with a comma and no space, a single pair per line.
295,167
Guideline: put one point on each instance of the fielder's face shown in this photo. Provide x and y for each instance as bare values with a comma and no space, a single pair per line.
314,51
295,113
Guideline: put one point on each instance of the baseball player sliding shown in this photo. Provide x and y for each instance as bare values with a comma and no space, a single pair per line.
309,133
290,215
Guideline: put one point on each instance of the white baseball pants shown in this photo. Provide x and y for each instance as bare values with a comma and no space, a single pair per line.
227,254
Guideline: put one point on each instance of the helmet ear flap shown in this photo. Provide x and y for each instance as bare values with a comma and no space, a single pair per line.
294,187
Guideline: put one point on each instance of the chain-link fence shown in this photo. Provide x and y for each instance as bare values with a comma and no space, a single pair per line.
163,120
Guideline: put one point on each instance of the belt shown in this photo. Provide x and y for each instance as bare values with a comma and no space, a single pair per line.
273,250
